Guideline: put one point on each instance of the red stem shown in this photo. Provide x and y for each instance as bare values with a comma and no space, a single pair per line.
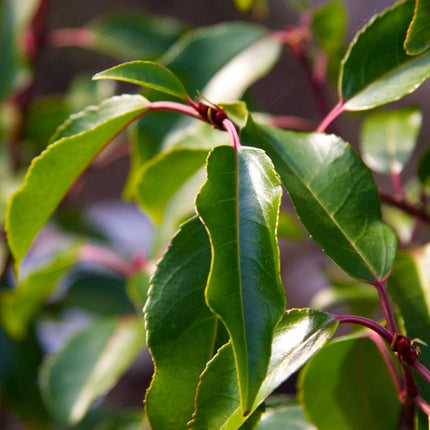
175,107
422,370
331,116
71,37
386,306
231,128
400,203
422,404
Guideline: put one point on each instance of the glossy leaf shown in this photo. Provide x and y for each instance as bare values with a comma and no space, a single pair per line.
388,139
418,36
204,44
409,285
129,35
276,419
424,168
147,74
88,365
51,174
158,182
376,69
239,206
19,306
340,388
334,195
299,335
181,329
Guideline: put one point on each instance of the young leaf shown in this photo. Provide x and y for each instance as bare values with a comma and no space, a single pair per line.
334,195
20,305
299,335
88,365
376,69
181,329
388,139
147,74
51,174
158,182
418,36
409,286
347,385
239,206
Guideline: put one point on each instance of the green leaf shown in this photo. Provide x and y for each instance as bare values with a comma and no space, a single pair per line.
288,227
51,174
334,195
20,305
129,35
147,74
418,35
239,206
181,329
300,334
355,389
424,168
137,289
88,365
388,139
409,285
204,44
276,418
376,69
329,25
158,182
244,5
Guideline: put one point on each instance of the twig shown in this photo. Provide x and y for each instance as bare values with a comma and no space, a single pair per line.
416,211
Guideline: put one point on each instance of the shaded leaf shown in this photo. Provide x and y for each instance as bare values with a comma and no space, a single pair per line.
20,305
348,375
300,333
418,35
88,365
51,174
334,195
239,206
409,285
276,419
158,182
424,168
181,329
388,139
137,289
376,69
130,34
147,74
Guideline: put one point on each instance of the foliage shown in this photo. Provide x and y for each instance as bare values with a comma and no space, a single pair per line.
208,170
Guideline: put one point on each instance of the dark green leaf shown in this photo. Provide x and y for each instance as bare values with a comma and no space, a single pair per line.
181,329
334,195
347,386
158,182
147,74
131,35
297,337
418,36
239,206
388,139
19,364
20,305
424,168
376,69
88,365
409,286
51,174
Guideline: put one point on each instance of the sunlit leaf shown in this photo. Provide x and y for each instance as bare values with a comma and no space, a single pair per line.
239,206
340,388
388,139
376,69
182,331
51,174
277,418
147,74
88,365
334,195
418,36
299,335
